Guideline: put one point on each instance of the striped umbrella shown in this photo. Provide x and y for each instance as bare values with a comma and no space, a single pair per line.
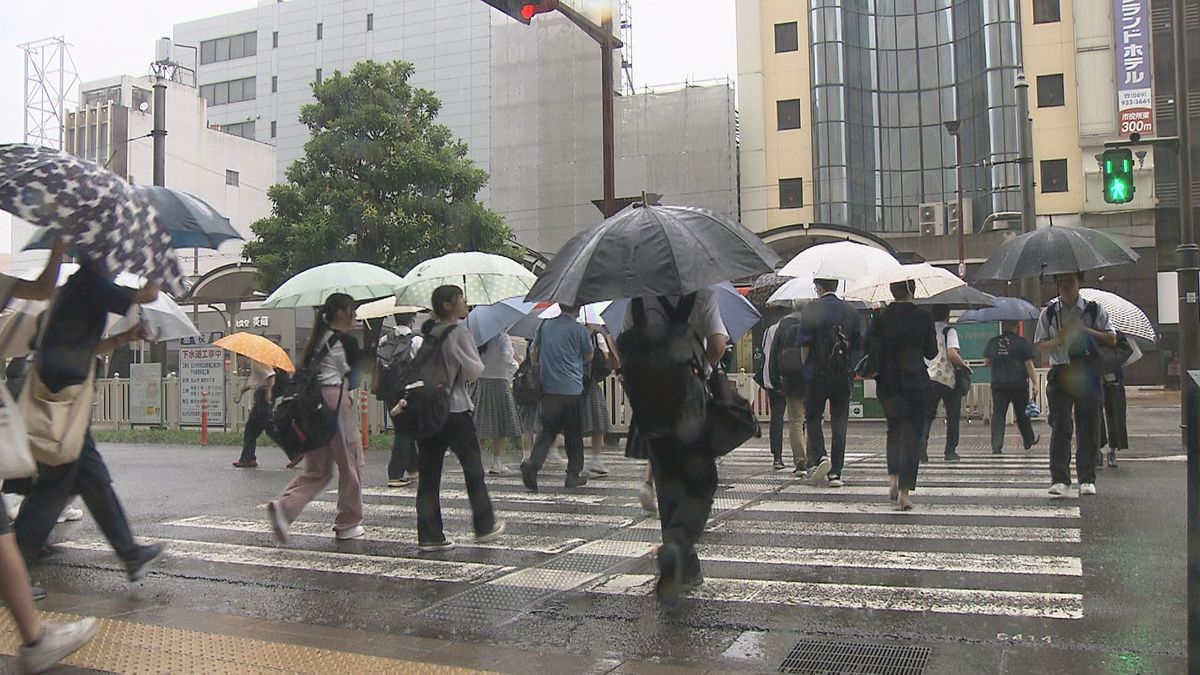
1126,317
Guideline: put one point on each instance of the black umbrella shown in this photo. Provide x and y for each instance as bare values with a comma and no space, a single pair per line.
93,210
963,297
764,287
191,221
652,250
1055,250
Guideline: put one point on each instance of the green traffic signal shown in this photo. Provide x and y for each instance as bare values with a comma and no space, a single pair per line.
1118,176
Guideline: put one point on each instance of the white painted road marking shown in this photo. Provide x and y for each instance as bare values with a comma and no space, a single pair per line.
529,517
527,497
929,491
892,531
973,510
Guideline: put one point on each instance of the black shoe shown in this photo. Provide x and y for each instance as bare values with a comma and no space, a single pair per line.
1112,459
146,556
529,477
779,464
37,592
999,451
924,457
953,457
575,481
692,583
1036,440
670,574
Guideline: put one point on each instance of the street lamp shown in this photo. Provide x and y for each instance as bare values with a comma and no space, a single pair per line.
952,128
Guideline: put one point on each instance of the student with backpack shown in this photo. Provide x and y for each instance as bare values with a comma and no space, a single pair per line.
264,383
1071,331
668,348
496,413
395,351
335,357
830,337
437,411
944,378
767,376
593,414
787,354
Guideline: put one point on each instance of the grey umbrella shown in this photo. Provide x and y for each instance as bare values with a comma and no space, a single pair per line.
963,297
1055,250
652,250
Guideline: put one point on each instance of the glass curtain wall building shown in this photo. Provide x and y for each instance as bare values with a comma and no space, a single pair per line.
886,75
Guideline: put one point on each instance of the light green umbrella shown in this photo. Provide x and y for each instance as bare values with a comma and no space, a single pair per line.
309,288
484,277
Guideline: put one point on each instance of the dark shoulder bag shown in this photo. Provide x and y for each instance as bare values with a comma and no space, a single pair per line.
962,376
527,383
731,419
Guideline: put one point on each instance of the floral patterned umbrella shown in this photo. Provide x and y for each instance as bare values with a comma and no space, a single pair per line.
93,210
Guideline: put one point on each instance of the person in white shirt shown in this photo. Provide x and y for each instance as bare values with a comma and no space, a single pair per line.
496,417
942,375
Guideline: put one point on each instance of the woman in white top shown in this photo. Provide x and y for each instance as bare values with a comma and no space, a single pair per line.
496,418
339,358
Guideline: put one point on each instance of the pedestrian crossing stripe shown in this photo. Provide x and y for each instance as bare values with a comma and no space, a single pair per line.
924,491
852,475
527,497
1064,535
975,510
464,514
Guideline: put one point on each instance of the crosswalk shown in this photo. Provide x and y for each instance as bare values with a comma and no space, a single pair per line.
984,540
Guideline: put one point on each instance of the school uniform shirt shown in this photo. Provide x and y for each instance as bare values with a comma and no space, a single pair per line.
335,368
940,368
1048,330
463,366
499,361
769,375
705,319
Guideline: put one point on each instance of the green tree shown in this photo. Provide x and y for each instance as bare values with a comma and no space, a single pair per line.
380,181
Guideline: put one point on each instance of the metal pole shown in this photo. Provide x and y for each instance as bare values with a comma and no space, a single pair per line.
610,151
1187,266
159,132
962,220
1030,289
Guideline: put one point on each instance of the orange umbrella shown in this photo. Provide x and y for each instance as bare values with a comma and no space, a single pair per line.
258,348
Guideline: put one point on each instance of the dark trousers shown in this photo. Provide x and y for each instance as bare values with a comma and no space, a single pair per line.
778,403
459,436
947,396
1074,394
256,424
686,480
404,452
560,415
837,395
907,412
1018,398
1116,428
87,477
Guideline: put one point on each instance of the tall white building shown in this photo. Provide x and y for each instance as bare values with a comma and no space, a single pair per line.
111,127
526,99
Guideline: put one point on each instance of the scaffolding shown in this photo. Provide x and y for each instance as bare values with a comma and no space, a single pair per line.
50,79
626,17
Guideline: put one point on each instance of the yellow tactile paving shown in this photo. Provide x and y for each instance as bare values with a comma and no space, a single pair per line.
128,647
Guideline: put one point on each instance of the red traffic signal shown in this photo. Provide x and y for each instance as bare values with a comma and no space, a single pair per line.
523,10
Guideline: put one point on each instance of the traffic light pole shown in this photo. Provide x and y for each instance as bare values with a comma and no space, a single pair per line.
1030,287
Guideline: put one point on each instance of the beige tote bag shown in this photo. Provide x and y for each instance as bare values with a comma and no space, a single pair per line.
56,421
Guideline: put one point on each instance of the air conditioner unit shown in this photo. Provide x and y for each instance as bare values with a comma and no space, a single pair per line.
932,219
952,216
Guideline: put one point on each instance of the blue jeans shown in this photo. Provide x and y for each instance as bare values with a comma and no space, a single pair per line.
87,477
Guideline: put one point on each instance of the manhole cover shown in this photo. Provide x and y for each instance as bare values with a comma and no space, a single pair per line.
854,658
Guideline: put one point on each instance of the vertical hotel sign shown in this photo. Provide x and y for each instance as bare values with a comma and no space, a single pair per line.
1135,95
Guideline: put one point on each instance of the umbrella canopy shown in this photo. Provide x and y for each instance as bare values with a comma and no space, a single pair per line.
1125,316
485,278
258,348
589,315
798,288
93,210
1005,309
1055,250
652,250
383,308
309,288
191,221
738,315
764,286
929,281
963,297
487,321
844,260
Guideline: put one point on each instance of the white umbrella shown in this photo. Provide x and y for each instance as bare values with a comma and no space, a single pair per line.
800,288
383,308
1125,316
485,278
844,260
310,288
929,281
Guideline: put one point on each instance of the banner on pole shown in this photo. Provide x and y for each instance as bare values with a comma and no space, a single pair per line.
1135,91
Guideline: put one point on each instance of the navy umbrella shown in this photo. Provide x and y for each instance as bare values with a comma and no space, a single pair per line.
94,211
652,250
963,297
191,221
1006,309
1055,250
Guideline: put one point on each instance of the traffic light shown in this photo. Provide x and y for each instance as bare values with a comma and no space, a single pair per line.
1117,168
523,10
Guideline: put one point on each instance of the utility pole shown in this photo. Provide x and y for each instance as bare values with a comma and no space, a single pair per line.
1030,289
159,133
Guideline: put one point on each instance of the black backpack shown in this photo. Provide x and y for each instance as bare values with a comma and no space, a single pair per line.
833,363
599,367
391,359
301,421
527,382
425,387
663,373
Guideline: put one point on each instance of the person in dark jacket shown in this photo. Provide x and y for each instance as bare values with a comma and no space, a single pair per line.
1010,357
787,354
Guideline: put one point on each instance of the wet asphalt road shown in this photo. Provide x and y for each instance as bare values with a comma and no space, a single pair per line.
987,573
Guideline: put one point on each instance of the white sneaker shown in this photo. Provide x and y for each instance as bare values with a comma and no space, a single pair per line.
596,467
356,532
648,499
70,515
498,468
1087,489
835,482
489,537
436,546
1058,490
821,472
59,640
12,504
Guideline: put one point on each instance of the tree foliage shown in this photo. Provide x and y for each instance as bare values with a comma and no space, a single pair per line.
380,181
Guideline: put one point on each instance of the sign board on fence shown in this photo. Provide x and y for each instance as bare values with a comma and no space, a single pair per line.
145,393
201,369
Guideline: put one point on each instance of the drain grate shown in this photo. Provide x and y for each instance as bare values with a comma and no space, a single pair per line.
854,658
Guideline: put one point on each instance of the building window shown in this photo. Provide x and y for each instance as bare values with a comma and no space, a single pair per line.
788,113
243,129
231,177
233,91
275,40
229,48
791,193
1050,91
102,97
787,37
320,31
370,22
274,84
1046,11
273,128
1054,175
318,79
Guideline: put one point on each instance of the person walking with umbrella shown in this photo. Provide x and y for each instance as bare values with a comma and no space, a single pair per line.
1068,331
496,413
943,377
830,335
395,351
1010,357
264,384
